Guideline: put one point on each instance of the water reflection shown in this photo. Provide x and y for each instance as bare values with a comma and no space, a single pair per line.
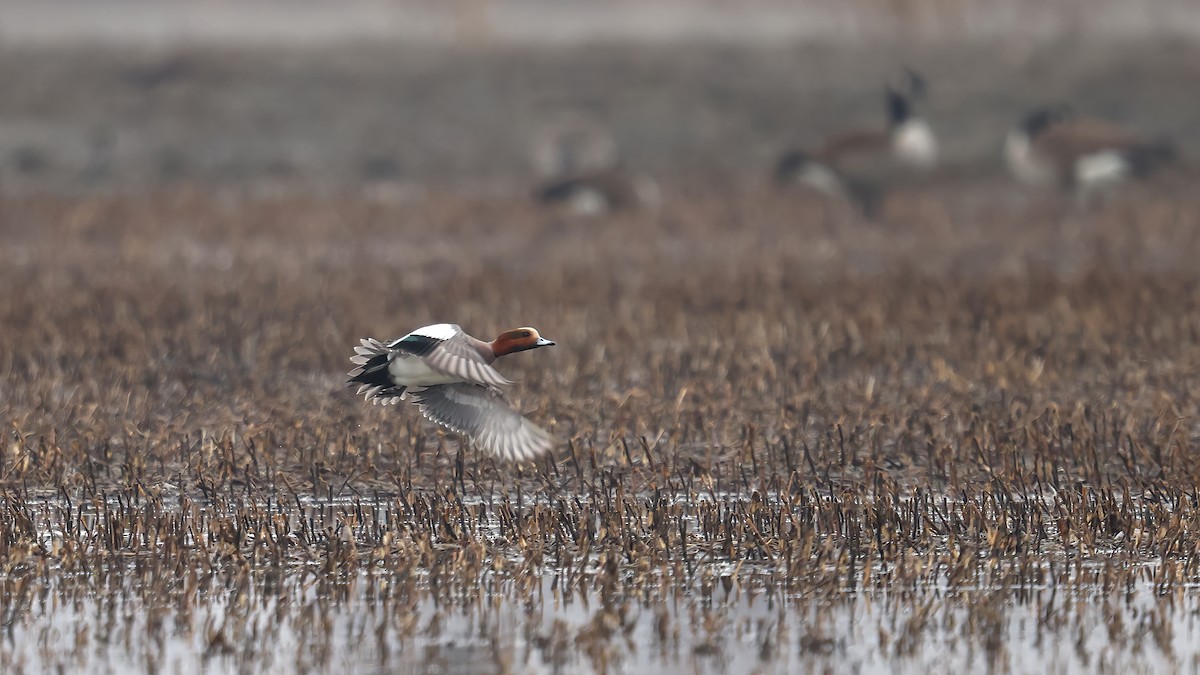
697,581
119,620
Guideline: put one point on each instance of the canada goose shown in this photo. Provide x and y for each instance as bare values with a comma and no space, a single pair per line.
1053,146
579,167
592,194
859,165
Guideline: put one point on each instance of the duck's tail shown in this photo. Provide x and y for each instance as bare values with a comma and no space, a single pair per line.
372,359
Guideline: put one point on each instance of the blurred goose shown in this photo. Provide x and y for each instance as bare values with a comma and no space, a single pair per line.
1053,146
449,376
579,167
602,192
859,165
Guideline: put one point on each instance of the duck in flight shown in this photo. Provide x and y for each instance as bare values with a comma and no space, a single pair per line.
448,374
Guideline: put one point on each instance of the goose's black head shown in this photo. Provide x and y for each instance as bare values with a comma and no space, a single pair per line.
1042,118
902,89
912,83
898,107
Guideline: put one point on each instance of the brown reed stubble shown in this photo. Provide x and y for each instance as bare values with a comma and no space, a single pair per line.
752,390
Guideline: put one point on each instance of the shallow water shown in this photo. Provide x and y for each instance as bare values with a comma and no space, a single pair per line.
358,626
205,607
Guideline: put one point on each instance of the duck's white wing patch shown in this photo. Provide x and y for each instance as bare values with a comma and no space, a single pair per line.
460,358
484,417
438,331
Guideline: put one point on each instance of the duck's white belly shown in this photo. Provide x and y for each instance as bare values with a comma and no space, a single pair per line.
412,371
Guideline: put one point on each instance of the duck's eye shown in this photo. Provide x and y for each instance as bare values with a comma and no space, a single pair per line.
524,334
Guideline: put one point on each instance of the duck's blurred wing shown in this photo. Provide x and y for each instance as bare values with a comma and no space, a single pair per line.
460,357
484,417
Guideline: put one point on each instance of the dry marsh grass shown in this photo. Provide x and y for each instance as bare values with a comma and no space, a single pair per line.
791,440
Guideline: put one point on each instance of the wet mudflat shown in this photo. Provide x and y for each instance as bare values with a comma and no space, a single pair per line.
960,438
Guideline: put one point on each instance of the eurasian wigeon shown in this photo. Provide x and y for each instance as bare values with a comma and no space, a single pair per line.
1052,146
858,165
450,377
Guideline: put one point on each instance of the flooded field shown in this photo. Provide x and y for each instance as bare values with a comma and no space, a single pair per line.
960,437
382,587
792,441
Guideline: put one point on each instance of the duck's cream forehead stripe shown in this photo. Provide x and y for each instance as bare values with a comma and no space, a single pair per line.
438,331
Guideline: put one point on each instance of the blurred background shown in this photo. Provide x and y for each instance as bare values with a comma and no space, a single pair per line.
132,94
982,392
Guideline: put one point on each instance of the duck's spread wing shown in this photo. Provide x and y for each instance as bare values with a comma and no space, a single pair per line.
484,417
458,357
